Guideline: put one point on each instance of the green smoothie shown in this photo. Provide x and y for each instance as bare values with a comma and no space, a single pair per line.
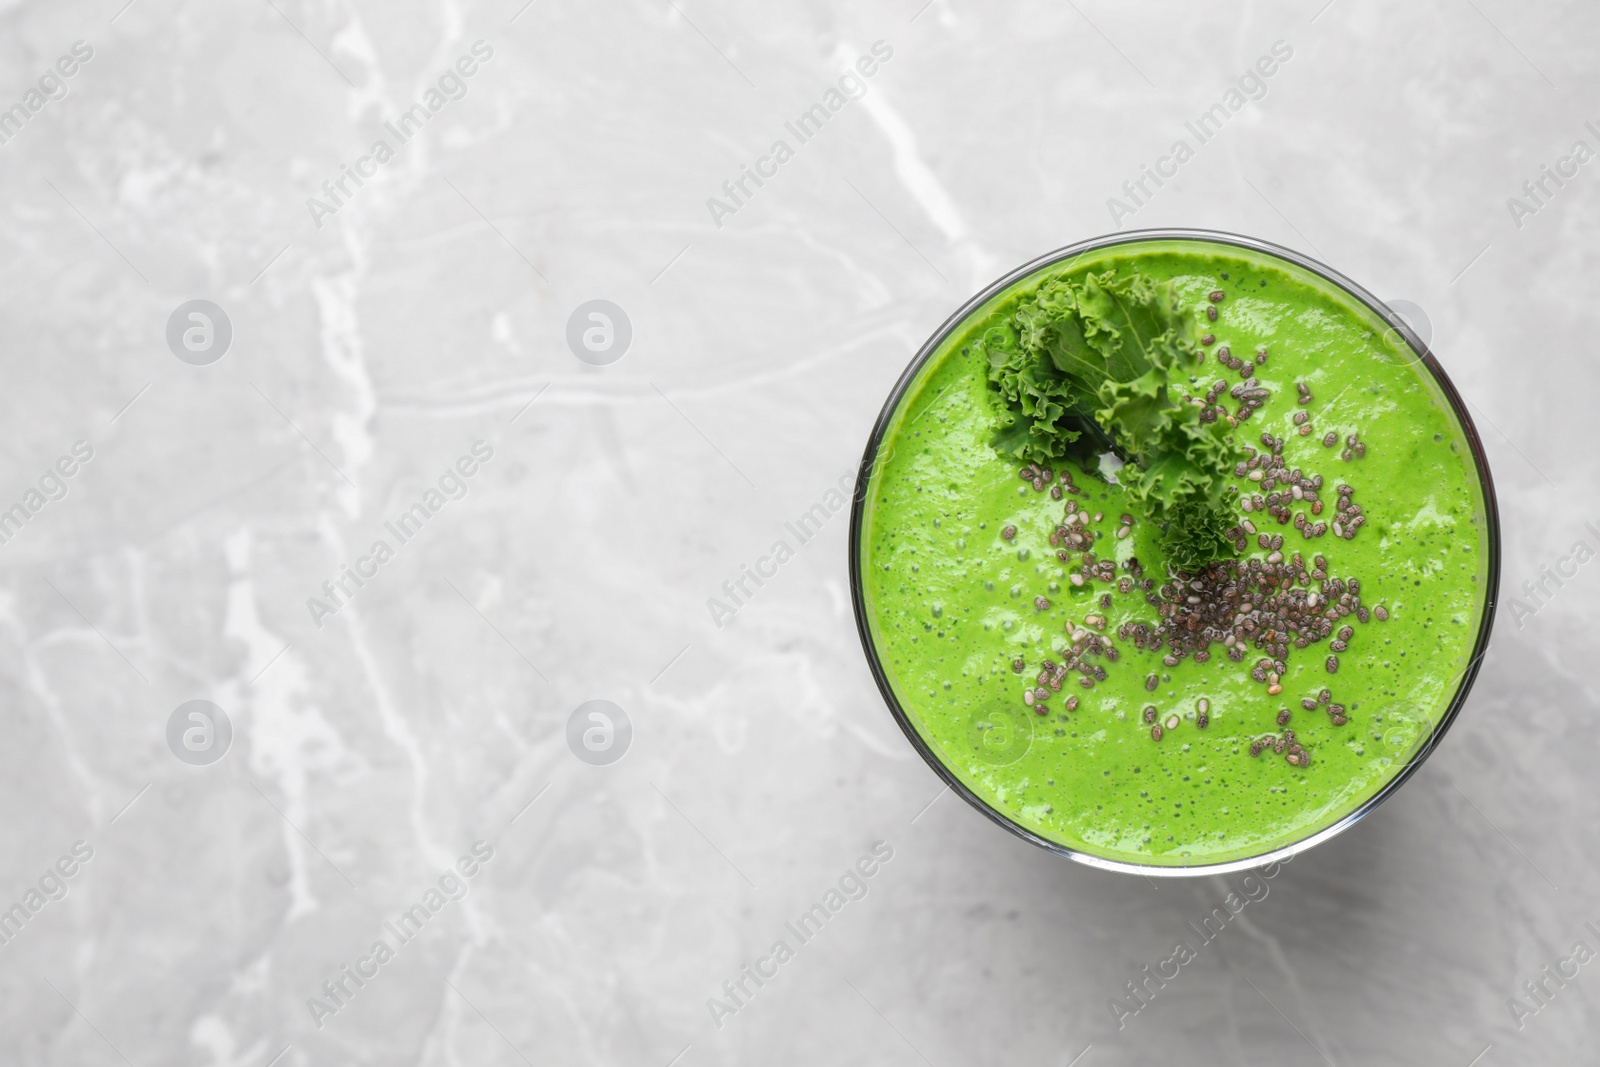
1054,635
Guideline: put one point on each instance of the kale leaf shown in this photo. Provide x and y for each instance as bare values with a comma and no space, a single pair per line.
1100,365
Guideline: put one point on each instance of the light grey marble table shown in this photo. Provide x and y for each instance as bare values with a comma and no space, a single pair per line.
395,210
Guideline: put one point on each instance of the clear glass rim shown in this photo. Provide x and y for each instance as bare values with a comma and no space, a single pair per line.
1424,356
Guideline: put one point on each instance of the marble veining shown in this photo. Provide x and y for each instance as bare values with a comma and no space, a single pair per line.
389,311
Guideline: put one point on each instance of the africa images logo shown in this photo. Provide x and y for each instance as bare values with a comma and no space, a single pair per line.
853,885
199,332
599,332
452,86
199,732
52,87
599,732
451,886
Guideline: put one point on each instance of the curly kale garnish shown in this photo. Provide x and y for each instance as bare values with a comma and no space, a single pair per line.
1099,365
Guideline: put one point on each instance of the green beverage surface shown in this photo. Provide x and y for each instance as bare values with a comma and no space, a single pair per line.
951,602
